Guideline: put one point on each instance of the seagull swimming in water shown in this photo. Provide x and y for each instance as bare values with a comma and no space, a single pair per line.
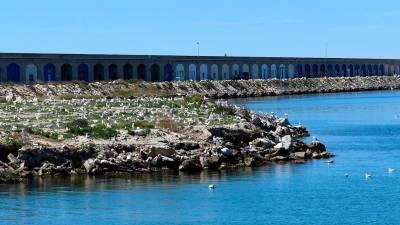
211,186
391,170
367,176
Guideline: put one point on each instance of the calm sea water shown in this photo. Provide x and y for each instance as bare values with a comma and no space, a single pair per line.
362,129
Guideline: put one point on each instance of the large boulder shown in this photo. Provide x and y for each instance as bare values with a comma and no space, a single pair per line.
186,145
211,162
92,166
262,143
161,161
226,152
256,120
286,142
300,155
236,135
160,149
283,122
36,156
89,165
316,146
190,165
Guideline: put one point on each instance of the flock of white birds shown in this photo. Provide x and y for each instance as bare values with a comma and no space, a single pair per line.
119,113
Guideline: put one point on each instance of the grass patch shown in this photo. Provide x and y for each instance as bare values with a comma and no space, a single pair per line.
38,132
80,127
142,124
225,110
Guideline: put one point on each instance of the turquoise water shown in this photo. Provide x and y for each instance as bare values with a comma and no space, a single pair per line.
362,129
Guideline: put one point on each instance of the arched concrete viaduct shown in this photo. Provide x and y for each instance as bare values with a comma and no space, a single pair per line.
29,68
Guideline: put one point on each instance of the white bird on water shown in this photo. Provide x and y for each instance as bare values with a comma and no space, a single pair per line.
367,176
391,170
211,186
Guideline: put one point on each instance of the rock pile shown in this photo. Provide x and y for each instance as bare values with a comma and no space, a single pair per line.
213,89
255,140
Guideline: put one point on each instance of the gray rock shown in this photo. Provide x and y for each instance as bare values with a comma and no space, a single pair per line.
226,152
278,146
279,158
190,166
161,161
234,134
262,143
89,165
211,162
283,122
12,158
157,161
286,142
316,146
256,121
140,132
300,155
281,130
164,150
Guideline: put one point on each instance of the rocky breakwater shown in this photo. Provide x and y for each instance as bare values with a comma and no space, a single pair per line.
213,89
185,134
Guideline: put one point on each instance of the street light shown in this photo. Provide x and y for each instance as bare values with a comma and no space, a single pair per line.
198,49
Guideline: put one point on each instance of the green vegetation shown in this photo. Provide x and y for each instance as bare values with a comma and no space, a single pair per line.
38,132
14,141
80,127
226,110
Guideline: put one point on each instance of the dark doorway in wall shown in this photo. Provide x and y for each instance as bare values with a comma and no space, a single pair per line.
113,72
128,72
98,72
299,70
66,72
13,73
168,72
83,72
155,72
141,71
49,72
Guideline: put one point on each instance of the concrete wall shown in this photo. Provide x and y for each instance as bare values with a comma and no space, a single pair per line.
153,68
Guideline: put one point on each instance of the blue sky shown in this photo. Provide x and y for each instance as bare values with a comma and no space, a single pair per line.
349,28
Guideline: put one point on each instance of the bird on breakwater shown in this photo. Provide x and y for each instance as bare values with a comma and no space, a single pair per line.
211,186
367,176
315,140
391,170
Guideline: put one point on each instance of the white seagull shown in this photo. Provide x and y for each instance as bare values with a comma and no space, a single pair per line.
211,186
367,176
391,170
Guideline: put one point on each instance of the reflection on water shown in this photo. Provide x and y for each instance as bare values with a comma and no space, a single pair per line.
139,181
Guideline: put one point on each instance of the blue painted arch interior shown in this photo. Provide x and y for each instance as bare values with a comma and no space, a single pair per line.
168,72
83,72
49,72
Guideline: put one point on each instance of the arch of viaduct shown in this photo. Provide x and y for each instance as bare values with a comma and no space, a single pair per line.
26,68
